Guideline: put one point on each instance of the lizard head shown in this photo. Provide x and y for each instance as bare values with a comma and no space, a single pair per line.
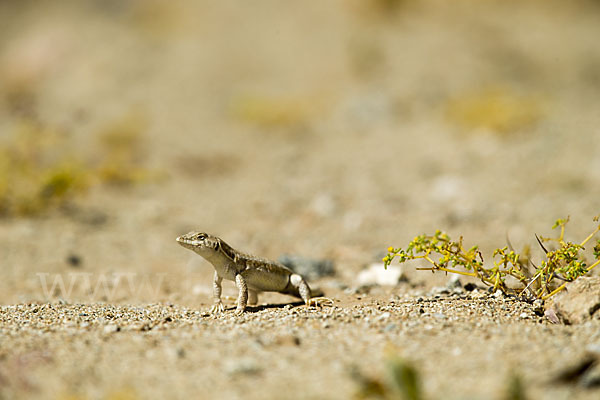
200,242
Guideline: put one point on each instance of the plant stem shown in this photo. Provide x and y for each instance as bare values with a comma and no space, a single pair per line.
561,287
593,265
587,239
437,268
430,260
558,289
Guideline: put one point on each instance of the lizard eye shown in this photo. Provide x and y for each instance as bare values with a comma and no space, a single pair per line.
201,236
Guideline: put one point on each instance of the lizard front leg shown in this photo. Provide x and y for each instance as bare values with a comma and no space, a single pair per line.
218,304
242,299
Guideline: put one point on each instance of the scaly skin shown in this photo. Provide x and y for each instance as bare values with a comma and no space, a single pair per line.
251,275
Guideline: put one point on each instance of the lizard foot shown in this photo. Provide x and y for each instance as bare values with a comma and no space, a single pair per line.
239,311
217,308
318,302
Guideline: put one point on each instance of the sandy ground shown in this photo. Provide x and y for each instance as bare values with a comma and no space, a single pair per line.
330,130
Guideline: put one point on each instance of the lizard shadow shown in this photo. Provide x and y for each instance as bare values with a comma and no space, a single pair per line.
261,307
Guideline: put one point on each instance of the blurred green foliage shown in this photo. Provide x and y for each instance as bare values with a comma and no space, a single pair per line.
498,110
37,171
272,111
122,151
402,382
515,389
41,170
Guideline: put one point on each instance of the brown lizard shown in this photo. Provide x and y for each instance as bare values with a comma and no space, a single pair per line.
251,275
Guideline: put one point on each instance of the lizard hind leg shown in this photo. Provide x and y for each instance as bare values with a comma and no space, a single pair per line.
305,293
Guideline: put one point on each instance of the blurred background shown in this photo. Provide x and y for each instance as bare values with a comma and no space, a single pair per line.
326,129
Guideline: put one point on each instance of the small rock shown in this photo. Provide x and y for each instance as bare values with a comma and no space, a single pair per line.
287,340
376,274
551,316
309,268
478,294
577,372
454,282
244,366
364,289
384,315
111,328
594,349
448,187
523,315
91,217
469,287
74,260
199,289
323,205
438,290
591,379
351,291
145,327
578,302
538,307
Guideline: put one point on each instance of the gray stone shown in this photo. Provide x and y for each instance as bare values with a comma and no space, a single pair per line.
578,302
309,268
454,282
377,274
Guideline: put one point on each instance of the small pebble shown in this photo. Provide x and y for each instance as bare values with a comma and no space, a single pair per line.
244,366
74,260
111,328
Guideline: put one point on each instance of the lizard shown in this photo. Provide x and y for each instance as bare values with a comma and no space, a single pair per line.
251,274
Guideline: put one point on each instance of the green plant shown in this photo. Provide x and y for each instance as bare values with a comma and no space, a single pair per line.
515,389
497,109
36,172
40,168
402,381
121,143
564,264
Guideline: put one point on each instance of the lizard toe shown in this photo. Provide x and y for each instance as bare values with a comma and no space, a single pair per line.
239,311
315,302
320,302
217,308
